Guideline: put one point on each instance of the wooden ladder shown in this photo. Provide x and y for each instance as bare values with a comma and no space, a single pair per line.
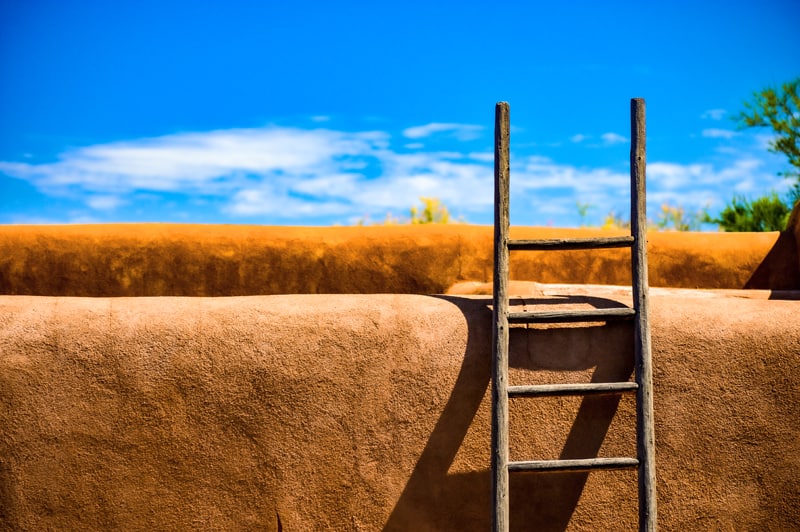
501,391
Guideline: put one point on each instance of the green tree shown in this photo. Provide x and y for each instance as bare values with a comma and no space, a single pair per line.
768,213
778,109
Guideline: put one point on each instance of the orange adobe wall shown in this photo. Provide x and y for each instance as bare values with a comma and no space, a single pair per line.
371,412
197,260
363,412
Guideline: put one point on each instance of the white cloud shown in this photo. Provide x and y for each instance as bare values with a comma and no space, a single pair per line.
104,203
683,177
703,184
714,114
765,141
459,131
545,186
209,163
487,157
715,133
265,199
578,138
291,174
280,172
672,176
405,177
613,138
542,173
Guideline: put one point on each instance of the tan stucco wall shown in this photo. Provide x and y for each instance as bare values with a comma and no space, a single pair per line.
197,260
371,412
356,412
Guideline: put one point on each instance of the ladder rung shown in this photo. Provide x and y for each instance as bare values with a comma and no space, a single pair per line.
591,388
563,316
587,464
571,243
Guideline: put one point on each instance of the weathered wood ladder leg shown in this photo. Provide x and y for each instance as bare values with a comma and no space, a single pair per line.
501,391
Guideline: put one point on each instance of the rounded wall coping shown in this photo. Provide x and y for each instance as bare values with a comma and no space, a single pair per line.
348,412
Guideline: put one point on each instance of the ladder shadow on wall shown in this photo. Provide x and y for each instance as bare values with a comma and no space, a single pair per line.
436,499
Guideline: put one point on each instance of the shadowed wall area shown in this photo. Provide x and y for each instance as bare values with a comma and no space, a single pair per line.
356,412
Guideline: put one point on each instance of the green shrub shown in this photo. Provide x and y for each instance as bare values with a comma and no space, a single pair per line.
768,213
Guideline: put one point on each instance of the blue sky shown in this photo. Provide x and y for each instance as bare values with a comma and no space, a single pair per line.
320,113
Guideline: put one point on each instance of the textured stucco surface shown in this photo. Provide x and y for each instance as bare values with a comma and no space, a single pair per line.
197,260
355,412
371,412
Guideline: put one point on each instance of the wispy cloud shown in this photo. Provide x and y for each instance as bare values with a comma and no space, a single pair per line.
459,131
214,162
291,175
613,138
715,133
104,203
281,172
606,139
714,114
702,184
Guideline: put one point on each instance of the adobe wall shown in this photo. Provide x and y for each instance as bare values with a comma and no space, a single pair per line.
355,412
371,412
197,260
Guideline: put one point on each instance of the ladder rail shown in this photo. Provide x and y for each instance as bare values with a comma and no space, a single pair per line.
645,437
500,513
